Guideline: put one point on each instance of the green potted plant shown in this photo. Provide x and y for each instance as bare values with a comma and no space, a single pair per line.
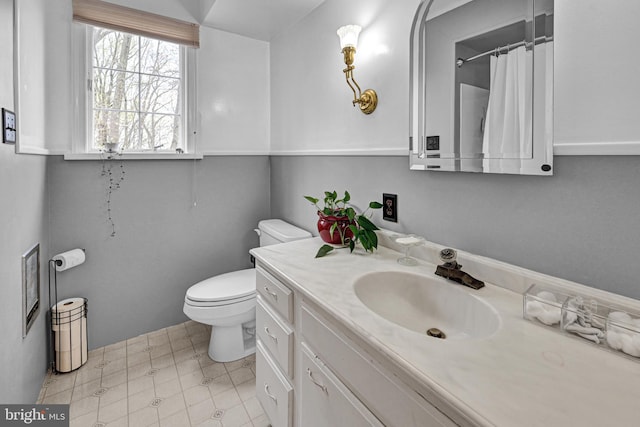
340,224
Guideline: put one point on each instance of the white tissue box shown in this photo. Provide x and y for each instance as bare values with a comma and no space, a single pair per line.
596,322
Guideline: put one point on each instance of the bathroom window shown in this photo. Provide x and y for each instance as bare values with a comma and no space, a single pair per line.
136,93
135,74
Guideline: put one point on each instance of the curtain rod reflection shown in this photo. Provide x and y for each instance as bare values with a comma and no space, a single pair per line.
504,49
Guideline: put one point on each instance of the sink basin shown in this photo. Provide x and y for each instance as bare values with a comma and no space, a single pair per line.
420,303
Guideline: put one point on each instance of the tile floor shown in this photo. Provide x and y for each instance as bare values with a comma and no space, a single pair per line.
163,378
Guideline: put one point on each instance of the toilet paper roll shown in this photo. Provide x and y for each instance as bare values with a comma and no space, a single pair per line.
69,259
72,337
67,361
69,323
65,312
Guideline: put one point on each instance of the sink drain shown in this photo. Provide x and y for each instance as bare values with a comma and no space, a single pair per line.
436,333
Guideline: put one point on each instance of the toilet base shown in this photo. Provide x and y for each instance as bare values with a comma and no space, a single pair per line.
229,343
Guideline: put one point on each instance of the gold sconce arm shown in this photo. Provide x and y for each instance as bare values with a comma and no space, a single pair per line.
348,73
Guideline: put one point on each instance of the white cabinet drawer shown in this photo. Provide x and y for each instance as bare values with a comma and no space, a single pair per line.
394,403
275,335
324,401
273,390
275,293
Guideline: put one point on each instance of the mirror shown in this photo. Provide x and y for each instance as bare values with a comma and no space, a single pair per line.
481,80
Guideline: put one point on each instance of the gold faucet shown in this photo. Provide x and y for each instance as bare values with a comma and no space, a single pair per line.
450,269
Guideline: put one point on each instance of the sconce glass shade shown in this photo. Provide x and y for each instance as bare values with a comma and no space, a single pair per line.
349,36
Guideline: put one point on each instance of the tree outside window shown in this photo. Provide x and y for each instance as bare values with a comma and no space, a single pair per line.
137,92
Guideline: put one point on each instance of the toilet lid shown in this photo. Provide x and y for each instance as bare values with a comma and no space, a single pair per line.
228,286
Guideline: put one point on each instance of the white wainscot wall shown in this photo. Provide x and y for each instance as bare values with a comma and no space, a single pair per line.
233,94
233,88
311,111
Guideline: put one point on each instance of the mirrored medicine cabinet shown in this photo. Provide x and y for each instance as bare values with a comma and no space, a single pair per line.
481,80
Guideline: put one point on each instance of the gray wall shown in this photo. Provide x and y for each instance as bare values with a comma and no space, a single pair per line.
582,224
136,281
23,217
24,223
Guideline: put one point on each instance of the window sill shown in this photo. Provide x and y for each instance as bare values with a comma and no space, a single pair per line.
134,156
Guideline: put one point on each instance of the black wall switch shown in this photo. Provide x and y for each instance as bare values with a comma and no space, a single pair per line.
433,142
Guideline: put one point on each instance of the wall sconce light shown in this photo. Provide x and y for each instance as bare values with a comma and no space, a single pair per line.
368,100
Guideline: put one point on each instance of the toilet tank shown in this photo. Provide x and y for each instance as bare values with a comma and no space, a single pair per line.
274,231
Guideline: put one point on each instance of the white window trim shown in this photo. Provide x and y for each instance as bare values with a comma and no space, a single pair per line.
82,133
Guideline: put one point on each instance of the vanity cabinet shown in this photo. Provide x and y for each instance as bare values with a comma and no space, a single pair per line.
311,373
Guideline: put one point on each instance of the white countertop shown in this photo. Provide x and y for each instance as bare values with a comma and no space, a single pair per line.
523,375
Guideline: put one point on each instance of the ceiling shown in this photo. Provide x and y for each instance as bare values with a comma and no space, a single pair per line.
258,19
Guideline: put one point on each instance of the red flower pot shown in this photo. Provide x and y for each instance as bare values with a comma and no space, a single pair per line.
325,222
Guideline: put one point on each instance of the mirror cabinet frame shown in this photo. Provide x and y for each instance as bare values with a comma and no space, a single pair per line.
541,161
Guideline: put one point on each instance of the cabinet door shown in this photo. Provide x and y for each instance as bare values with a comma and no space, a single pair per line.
325,401
392,401
273,391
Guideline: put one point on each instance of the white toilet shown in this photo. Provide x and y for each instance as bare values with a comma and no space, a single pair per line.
228,301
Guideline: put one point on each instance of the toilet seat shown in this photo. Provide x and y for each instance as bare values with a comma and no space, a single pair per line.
225,289
219,303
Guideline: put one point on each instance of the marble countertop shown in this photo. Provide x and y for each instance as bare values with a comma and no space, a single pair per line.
523,375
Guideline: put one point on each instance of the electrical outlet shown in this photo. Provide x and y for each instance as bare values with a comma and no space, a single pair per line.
390,207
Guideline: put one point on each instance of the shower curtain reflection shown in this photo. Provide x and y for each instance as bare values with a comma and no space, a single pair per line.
508,129
511,123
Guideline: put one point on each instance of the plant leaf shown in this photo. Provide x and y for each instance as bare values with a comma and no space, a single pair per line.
312,199
331,195
371,240
364,222
364,240
375,205
324,249
352,244
347,196
351,213
354,230
374,239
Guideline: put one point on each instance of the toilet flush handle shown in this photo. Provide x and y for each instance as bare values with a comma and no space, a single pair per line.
258,232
